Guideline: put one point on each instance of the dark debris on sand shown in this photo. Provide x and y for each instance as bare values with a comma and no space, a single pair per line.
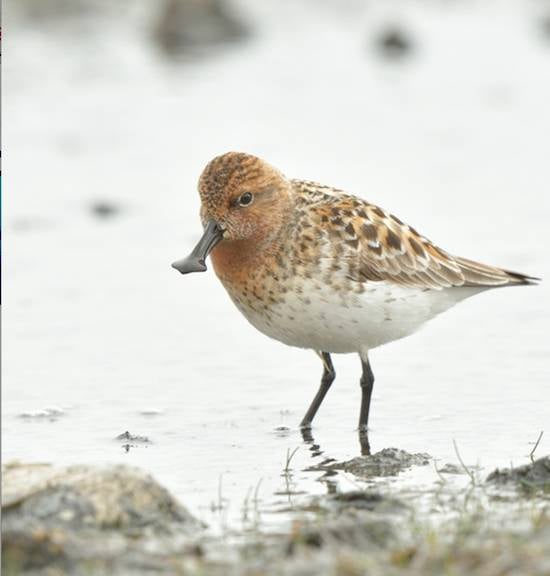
186,25
533,476
386,462
103,210
128,437
394,42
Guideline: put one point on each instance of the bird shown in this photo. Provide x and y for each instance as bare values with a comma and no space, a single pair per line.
316,268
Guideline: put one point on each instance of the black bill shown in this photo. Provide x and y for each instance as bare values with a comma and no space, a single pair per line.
195,262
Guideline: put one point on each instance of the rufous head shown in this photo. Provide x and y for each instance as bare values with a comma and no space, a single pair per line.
243,199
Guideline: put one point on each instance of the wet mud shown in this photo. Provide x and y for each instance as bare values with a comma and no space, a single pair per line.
118,519
533,476
386,462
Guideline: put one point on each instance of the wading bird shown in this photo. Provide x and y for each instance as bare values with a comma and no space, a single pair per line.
314,267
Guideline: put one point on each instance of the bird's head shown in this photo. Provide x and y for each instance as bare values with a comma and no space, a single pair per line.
244,201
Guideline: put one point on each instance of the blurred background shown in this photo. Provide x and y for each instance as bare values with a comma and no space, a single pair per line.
437,110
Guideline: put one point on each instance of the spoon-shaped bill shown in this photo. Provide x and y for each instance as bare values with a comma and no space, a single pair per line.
195,262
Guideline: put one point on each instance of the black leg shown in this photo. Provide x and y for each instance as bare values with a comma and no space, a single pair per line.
367,383
326,380
364,442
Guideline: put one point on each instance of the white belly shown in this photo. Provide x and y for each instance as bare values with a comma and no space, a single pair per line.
324,320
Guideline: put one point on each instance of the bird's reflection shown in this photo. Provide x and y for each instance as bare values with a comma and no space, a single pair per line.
315,448
308,439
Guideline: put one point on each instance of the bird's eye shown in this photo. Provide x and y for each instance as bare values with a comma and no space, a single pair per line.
246,199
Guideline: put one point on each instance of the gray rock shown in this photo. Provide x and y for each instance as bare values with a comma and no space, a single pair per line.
191,24
128,437
104,209
394,42
90,519
451,469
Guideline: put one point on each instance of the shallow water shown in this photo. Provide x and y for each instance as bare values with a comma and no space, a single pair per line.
453,138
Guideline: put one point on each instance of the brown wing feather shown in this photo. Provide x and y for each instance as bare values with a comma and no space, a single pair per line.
389,250
400,254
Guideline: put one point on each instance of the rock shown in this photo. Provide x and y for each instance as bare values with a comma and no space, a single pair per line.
387,462
451,469
128,437
103,209
132,440
90,519
394,42
535,475
187,24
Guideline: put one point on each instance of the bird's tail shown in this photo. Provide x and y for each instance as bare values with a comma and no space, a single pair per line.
477,274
